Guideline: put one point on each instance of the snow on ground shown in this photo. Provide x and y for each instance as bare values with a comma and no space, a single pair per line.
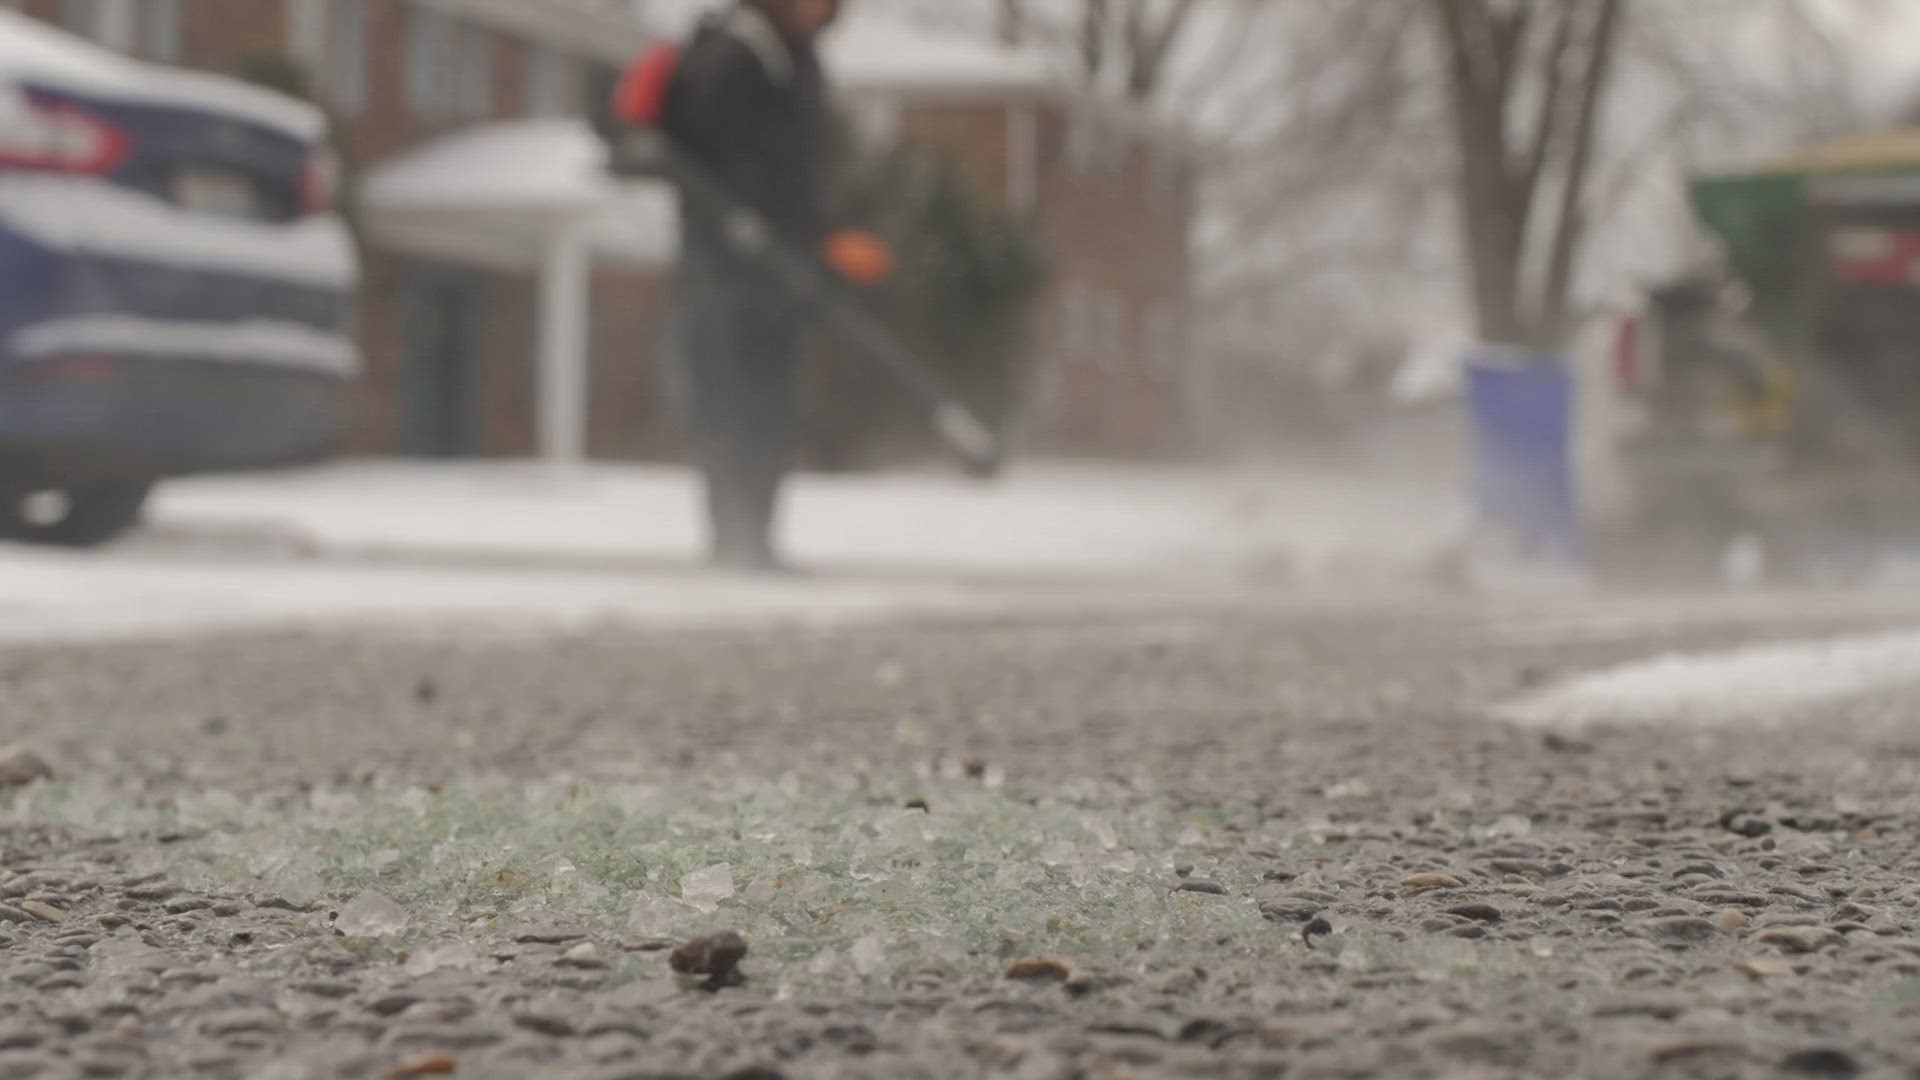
72,598
1060,519
1746,686
492,547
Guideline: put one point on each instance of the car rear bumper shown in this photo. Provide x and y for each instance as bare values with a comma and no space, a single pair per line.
169,417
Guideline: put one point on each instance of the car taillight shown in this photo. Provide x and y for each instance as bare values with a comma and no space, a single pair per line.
52,136
320,183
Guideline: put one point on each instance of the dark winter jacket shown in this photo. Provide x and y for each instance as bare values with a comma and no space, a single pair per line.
751,104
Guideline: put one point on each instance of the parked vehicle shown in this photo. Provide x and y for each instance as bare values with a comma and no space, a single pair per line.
176,289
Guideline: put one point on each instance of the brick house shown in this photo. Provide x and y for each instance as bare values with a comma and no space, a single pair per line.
459,315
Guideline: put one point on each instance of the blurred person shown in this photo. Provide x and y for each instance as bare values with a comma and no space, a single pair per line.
750,104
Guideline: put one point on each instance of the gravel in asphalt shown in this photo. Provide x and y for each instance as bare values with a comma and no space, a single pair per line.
1295,847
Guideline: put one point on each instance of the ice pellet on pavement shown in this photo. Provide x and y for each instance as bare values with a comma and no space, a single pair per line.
705,888
371,915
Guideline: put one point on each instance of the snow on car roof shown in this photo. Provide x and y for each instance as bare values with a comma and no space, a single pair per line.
31,50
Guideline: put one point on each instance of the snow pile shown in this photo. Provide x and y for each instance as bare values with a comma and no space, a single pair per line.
1767,684
487,548
1055,519
68,598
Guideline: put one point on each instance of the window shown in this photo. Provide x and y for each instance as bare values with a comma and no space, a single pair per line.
1077,322
81,16
1163,173
1166,339
1082,142
877,121
331,35
1023,166
104,21
1116,339
307,33
1095,145
554,85
1116,154
156,30
1095,326
449,67
473,78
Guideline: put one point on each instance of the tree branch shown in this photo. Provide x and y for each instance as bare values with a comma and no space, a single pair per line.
1570,230
1011,22
1509,33
1547,126
1150,45
1096,21
1492,223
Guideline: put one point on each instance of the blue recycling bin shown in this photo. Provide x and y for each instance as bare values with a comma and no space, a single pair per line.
1522,412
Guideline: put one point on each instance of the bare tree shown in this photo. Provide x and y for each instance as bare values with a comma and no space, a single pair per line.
1530,131
1499,59
1496,144
1125,47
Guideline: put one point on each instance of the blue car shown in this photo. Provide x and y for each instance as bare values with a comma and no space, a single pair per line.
176,288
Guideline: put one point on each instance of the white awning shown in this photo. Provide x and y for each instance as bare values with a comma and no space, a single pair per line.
498,194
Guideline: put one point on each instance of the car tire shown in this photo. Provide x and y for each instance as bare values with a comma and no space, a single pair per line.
93,513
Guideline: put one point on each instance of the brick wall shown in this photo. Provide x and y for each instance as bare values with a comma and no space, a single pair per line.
214,34
509,335
977,135
1120,237
628,417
